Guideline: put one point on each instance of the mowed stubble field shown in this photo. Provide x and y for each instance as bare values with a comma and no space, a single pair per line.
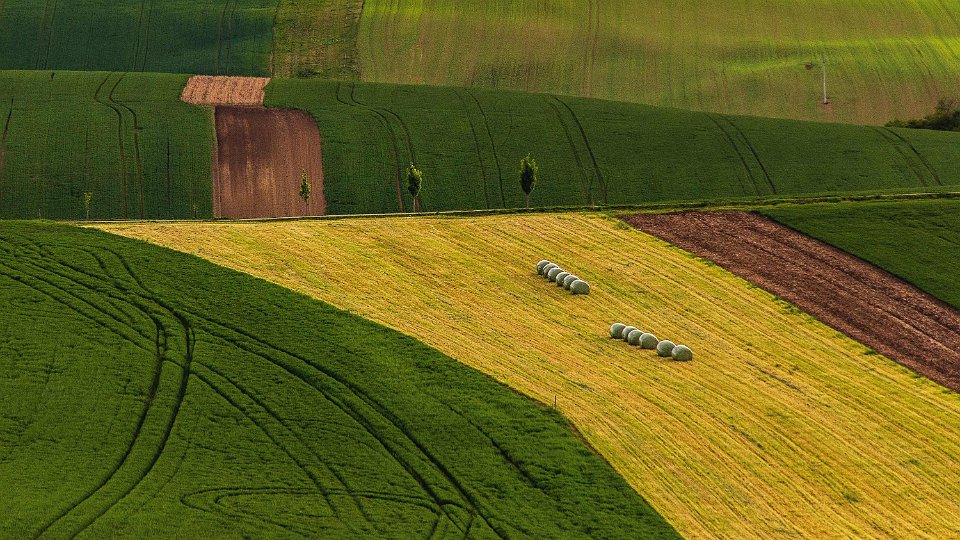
780,427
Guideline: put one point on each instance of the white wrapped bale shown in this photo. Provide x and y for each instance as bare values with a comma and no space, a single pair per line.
560,277
567,281
626,332
579,287
541,265
547,267
665,348
616,330
553,273
634,337
682,353
649,341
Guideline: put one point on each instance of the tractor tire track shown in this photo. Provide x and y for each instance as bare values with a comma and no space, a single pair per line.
40,33
493,146
756,155
887,135
743,159
230,32
120,145
3,144
220,28
476,140
392,138
136,143
923,159
584,183
149,34
53,22
586,143
136,45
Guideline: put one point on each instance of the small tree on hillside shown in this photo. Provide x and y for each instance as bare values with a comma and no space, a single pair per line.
87,203
304,190
414,184
528,176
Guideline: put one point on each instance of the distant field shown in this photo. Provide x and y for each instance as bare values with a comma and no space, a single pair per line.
918,241
213,37
887,58
124,138
145,393
779,428
591,152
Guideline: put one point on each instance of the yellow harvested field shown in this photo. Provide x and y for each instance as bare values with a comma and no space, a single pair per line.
779,428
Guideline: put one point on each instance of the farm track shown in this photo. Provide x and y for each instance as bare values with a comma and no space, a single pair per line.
586,143
581,172
136,143
736,150
392,136
120,144
3,142
777,424
476,140
493,146
753,151
872,306
911,153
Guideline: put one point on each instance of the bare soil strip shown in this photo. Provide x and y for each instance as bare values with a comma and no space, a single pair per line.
217,90
870,305
261,154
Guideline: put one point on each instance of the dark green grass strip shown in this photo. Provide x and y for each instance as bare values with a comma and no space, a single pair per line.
148,393
592,151
918,241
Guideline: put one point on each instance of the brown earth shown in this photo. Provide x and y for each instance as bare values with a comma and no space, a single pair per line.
217,90
261,154
870,305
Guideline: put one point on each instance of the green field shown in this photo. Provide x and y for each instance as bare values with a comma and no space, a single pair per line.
887,58
590,152
148,393
125,138
918,241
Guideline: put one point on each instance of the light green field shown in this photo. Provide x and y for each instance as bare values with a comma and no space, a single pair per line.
887,58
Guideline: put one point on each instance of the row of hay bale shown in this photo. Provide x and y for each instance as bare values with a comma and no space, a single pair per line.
645,340
564,279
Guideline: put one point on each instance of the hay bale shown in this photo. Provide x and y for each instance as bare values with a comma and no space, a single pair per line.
579,287
547,267
541,265
560,277
626,332
567,281
616,330
634,337
665,348
553,273
682,353
649,341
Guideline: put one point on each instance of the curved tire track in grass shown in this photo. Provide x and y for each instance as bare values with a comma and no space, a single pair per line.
136,143
493,146
120,145
476,140
756,155
736,150
586,143
392,136
3,143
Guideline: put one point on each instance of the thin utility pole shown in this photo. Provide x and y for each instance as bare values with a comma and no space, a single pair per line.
823,65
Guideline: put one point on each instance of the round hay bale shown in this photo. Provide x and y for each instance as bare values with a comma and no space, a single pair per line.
541,264
649,341
682,353
633,338
553,273
626,332
560,277
547,267
665,348
616,330
567,281
579,287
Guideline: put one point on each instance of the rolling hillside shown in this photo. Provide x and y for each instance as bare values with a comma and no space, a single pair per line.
886,58
779,428
918,241
590,152
145,393
124,138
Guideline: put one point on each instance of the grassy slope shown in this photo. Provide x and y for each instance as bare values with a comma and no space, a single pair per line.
887,58
918,240
146,393
780,427
114,135
469,143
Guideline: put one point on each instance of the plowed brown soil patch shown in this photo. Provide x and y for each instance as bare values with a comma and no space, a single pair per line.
210,90
261,154
872,306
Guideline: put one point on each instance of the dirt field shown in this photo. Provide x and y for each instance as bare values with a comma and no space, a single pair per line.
866,303
261,154
208,90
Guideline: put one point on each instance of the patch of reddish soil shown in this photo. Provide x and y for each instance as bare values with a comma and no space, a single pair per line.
217,90
261,154
870,305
